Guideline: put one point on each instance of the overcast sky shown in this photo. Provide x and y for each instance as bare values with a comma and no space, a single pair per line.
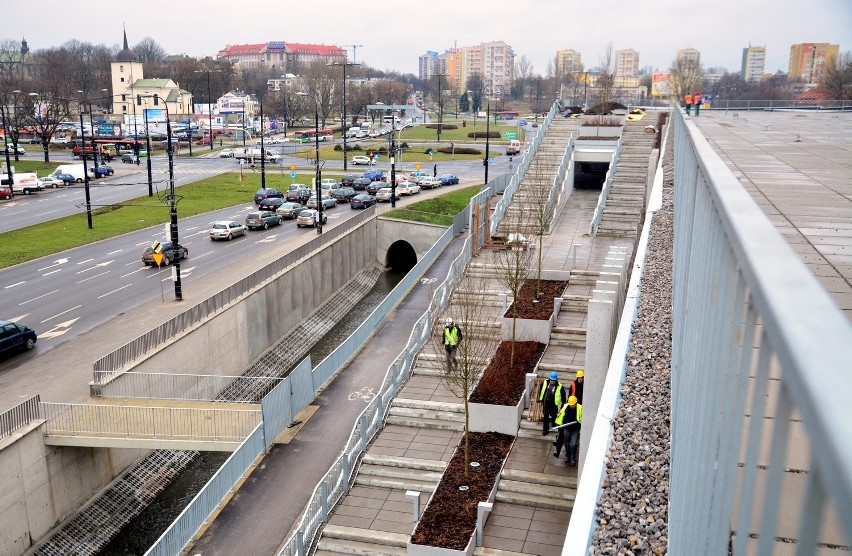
393,33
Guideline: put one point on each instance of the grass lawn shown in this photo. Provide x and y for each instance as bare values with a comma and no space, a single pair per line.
410,156
437,210
422,133
54,236
40,167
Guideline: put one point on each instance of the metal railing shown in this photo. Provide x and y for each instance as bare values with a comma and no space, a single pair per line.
755,104
759,347
112,362
554,197
19,416
166,386
164,423
607,185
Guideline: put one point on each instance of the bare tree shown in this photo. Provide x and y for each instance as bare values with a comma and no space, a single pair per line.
288,106
523,74
319,79
148,50
543,211
470,311
513,262
837,77
606,81
687,75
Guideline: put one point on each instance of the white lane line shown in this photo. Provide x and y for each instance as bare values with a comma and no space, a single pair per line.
19,317
116,251
133,272
90,277
113,291
15,284
86,261
60,314
202,255
52,272
35,298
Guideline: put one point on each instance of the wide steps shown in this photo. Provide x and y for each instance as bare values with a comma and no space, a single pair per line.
535,489
407,463
535,501
368,472
605,232
365,535
566,373
329,547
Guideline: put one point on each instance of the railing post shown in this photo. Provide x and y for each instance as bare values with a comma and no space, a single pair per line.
300,542
414,496
482,511
363,427
346,470
324,501
530,380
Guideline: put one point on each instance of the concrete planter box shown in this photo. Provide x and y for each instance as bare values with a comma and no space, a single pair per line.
600,131
504,419
529,329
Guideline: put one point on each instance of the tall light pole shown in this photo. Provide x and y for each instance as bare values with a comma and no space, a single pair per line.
343,123
262,149
209,104
15,94
148,151
318,176
440,104
6,145
487,139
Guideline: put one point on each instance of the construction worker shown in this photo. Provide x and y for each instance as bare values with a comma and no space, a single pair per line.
551,396
696,102
568,425
576,388
687,100
452,337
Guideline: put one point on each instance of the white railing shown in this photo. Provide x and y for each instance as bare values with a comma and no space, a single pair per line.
165,386
607,185
555,197
761,359
19,416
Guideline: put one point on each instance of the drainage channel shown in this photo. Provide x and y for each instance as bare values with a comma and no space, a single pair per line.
142,531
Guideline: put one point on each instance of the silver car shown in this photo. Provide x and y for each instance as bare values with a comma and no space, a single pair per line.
308,217
227,229
327,202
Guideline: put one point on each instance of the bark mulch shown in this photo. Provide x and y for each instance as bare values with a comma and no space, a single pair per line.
528,308
450,518
502,384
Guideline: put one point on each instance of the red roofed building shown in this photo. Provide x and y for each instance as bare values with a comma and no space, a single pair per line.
278,54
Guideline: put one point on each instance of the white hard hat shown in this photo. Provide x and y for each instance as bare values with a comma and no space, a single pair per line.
449,321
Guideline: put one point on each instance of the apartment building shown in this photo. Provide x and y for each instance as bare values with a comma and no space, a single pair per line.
808,59
688,56
626,63
754,61
567,62
281,55
493,61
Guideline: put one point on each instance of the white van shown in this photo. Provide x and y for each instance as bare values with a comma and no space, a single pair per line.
26,183
75,170
514,147
353,131
389,120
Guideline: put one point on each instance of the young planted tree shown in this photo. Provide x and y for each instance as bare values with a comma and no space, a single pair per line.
542,212
513,262
470,311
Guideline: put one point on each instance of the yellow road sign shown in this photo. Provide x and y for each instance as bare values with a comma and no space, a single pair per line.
158,258
417,166
292,166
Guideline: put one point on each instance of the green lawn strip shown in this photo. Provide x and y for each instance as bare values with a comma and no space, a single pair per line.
422,133
40,167
438,210
55,236
410,155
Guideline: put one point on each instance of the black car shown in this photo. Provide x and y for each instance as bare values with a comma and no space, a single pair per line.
343,194
374,187
14,336
271,204
268,193
361,184
127,158
167,250
362,201
298,193
348,179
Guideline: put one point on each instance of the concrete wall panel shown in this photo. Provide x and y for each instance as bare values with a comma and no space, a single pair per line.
421,236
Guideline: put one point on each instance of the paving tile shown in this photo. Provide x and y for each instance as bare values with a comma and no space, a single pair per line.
362,502
508,521
542,549
394,516
510,545
393,527
505,532
512,510
369,492
349,521
551,516
357,511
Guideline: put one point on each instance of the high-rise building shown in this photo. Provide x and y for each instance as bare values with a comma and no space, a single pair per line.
688,55
426,64
567,61
493,61
807,60
626,63
754,60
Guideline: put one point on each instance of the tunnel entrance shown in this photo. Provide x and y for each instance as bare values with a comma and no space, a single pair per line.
400,257
590,175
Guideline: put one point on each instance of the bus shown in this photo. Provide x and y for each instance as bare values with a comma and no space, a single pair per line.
505,115
307,135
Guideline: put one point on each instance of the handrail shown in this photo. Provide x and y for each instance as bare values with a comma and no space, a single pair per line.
554,195
20,416
607,185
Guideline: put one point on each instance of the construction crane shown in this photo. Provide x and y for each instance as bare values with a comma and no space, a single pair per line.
354,51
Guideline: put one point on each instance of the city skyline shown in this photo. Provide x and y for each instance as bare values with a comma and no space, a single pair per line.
391,39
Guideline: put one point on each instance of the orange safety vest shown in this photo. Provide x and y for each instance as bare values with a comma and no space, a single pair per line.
687,100
697,99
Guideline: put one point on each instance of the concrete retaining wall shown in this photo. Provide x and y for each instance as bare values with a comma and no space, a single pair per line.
41,485
421,236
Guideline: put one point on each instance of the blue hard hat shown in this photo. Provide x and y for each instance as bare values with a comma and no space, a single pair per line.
554,376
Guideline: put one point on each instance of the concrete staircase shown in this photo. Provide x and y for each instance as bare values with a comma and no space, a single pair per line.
399,473
625,203
426,415
337,539
539,490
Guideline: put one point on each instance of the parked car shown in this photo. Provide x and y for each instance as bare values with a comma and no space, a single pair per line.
272,204
408,188
168,251
375,175
428,182
10,148
448,179
329,183
226,153
308,217
14,337
55,181
384,194
360,159
262,219
268,193
227,229
5,192
327,202
374,187
289,210
343,194
348,179
102,171
127,158
298,193
362,201
361,184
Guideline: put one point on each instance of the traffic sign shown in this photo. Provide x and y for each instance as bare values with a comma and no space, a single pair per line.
292,174
376,156
510,135
418,166
418,173
293,167
522,122
158,258
430,152
490,161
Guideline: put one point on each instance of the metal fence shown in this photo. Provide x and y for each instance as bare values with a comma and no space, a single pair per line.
19,416
761,419
166,386
201,507
607,185
723,104
112,362
555,199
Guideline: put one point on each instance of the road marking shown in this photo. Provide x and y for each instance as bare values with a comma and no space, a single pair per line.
113,291
52,272
194,257
15,284
86,261
35,298
60,314
105,263
19,317
55,331
133,272
57,262
114,252
90,277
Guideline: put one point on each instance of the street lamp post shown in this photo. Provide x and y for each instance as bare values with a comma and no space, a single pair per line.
209,105
487,139
262,148
318,175
6,145
148,152
440,105
393,160
343,123
85,172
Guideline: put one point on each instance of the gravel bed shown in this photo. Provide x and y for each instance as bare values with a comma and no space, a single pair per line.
633,507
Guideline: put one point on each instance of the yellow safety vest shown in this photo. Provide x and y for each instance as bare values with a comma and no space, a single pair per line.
557,395
560,418
451,336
